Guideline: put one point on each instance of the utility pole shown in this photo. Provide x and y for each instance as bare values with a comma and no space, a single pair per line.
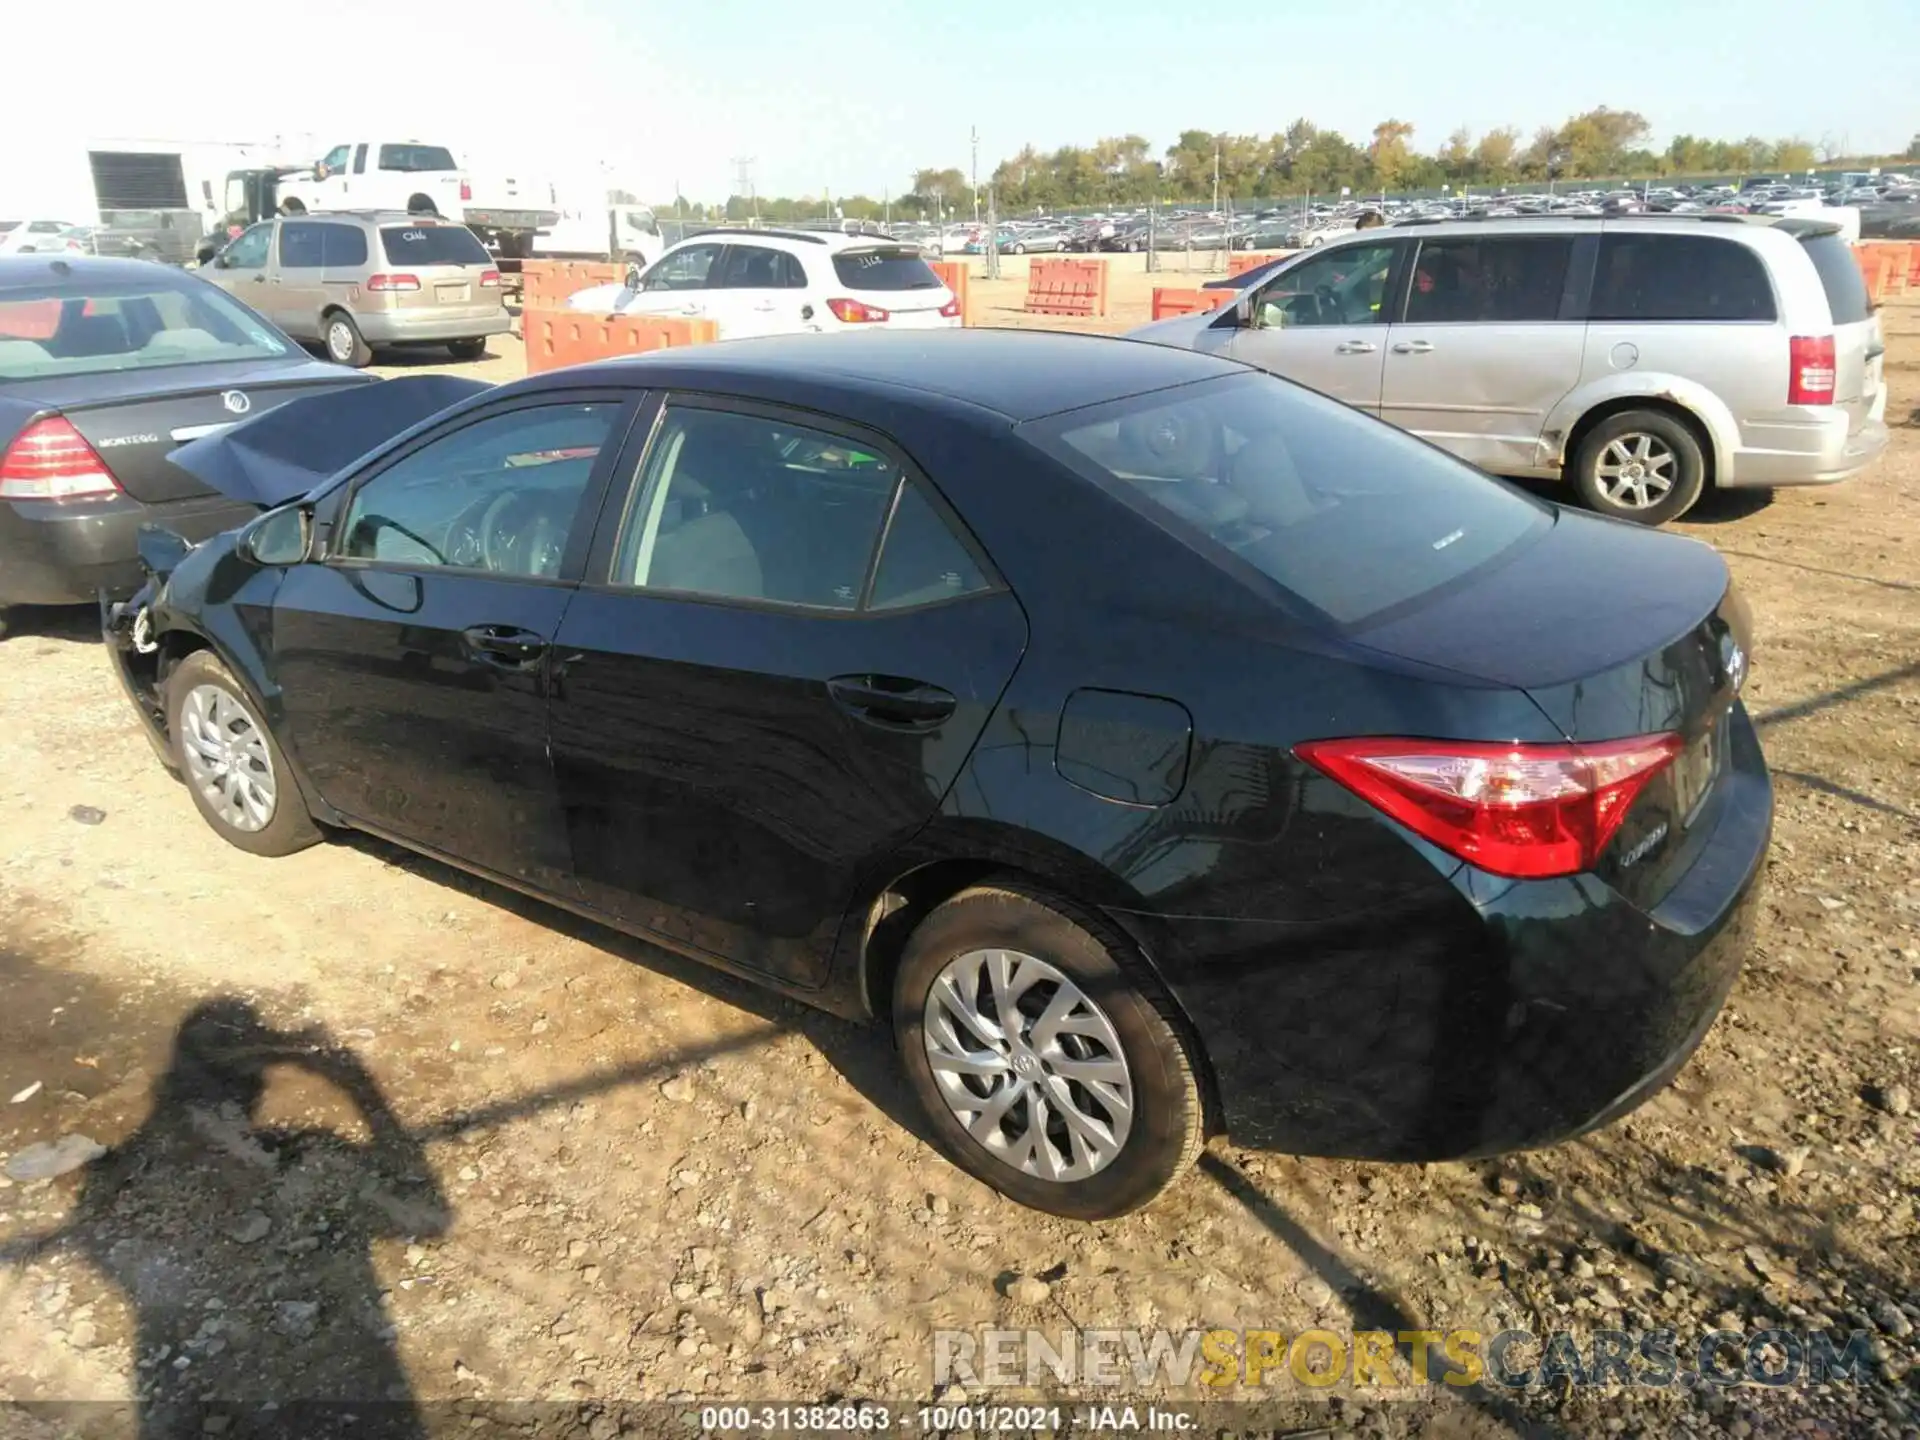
1216,174
973,176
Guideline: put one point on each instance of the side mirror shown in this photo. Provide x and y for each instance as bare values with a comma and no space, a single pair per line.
279,537
1243,308
632,282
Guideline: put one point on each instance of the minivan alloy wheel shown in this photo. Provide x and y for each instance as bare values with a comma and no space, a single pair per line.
1636,470
226,758
1028,1064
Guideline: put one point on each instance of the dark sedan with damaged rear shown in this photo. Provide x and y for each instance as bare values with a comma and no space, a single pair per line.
105,367
1159,748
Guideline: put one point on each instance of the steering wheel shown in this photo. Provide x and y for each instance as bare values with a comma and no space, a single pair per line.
511,533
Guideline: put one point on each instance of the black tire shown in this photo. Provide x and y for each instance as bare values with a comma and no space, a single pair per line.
421,205
470,349
1167,1125
288,827
1653,433
292,207
1019,249
343,340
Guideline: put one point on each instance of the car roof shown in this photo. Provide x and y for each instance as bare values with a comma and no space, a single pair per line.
373,217
1019,374
801,242
20,271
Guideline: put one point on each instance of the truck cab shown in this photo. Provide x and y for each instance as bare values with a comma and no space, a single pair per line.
408,175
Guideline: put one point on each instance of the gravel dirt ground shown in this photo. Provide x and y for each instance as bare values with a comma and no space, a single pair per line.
375,1130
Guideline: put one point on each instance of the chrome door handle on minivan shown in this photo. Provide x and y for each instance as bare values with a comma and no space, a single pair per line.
1354,347
1414,347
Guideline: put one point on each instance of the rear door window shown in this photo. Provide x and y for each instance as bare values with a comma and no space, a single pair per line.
1679,277
1489,281
1351,517
415,157
884,268
685,269
1840,277
343,247
755,267
431,245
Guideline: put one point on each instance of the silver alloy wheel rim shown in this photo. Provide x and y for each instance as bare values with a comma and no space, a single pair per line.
340,340
227,758
1028,1064
1637,470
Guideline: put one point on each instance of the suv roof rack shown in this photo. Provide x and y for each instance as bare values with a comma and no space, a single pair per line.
1482,217
811,237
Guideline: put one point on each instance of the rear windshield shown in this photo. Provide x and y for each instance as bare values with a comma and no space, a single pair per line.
416,157
1348,515
884,269
137,327
1840,277
432,245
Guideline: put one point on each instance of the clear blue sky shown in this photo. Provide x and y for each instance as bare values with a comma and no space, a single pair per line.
856,96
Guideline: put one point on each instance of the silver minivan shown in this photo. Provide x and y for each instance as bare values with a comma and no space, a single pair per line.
352,280
1643,358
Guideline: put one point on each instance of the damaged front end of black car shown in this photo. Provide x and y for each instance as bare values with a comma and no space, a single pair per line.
217,594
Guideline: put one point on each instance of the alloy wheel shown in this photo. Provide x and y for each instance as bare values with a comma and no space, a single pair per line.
226,758
1028,1064
1637,470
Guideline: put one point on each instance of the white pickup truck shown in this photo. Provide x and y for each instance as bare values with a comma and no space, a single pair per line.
380,175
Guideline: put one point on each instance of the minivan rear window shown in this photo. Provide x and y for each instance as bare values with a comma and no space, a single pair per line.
416,157
1351,517
894,268
1840,277
432,245
1679,277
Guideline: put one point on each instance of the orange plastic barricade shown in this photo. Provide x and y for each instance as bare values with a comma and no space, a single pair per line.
1244,260
1190,302
953,275
1876,262
545,283
1067,287
557,338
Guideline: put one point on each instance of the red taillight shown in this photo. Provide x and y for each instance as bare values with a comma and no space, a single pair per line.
1810,367
50,460
466,190
1524,811
951,310
853,312
490,279
393,282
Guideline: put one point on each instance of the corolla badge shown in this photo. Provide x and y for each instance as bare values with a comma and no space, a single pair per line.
236,402
1733,660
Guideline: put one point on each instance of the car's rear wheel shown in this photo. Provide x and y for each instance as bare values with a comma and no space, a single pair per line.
467,349
1046,1056
345,346
232,765
1640,465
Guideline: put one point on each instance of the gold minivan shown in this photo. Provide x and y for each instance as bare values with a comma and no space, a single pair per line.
357,280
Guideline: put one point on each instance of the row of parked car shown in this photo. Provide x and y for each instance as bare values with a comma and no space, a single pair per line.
1039,697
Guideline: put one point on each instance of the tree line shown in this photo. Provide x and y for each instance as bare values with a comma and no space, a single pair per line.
1601,144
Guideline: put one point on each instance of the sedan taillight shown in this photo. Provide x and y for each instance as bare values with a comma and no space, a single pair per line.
852,312
1523,811
951,310
50,460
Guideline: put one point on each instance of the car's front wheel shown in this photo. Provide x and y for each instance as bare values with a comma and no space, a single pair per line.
1640,465
467,349
231,762
1045,1054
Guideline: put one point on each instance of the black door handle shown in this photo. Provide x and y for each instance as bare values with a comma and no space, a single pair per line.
507,646
891,700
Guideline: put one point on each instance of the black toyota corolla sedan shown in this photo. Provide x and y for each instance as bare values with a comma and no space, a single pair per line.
106,366
1160,748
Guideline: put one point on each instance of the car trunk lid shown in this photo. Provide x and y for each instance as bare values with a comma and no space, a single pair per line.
1613,632
133,435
